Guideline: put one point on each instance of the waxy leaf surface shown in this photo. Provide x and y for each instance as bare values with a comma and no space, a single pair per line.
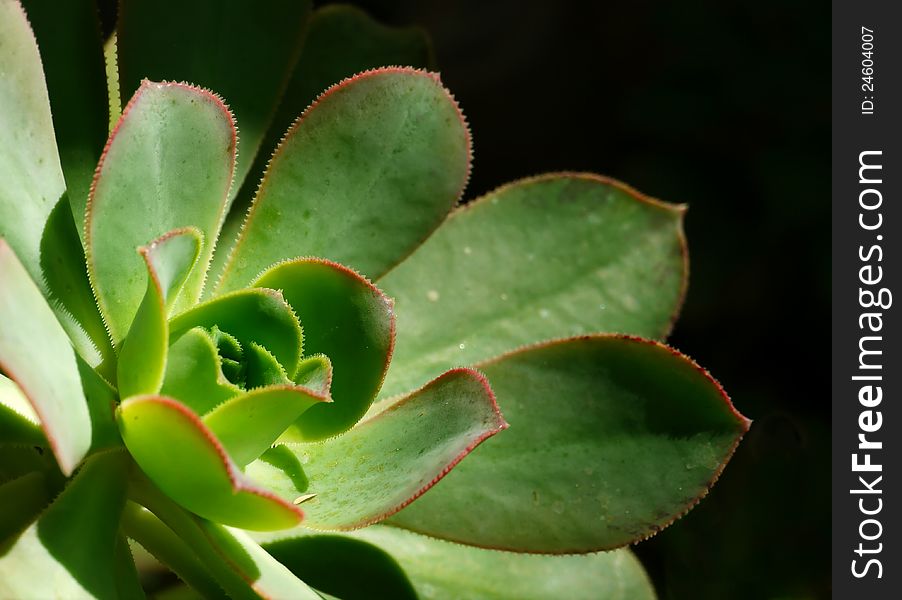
183,457
361,178
30,172
611,439
142,357
349,320
36,354
388,460
542,258
438,569
243,50
68,35
167,165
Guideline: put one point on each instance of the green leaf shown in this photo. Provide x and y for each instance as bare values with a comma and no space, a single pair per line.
128,584
546,257
194,373
18,422
142,356
266,576
58,555
102,399
612,438
245,51
438,569
35,353
68,35
242,568
65,275
247,425
394,456
183,457
154,536
280,470
349,320
22,499
262,368
167,165
341,40
324,561
315,372
361,178
29,164
18,460
253,315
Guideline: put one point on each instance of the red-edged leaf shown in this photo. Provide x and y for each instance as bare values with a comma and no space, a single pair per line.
367,172
182,456
349,320
248,424
167,165
142,357
395,455
612,438
36,354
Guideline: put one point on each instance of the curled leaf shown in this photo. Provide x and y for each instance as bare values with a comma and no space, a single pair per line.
180,454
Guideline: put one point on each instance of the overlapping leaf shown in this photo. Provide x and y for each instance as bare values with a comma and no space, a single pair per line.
36,354
194,373
393,457
147,183
244,50
340,40
258,315
611,439
142,356
66,279
183,457
57,555
361,178
248,425
347,319
556,255
438,569
68,34
29,163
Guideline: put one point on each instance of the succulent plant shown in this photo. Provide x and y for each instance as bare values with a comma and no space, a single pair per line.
242,380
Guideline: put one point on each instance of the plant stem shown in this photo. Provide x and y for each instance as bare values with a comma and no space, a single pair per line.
145,528
186,526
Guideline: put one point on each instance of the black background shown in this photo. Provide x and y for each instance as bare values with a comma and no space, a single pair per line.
724,106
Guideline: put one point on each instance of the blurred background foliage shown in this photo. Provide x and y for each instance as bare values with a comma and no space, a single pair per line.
724,106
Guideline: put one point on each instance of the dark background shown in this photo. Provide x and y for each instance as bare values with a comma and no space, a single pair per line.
724,106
